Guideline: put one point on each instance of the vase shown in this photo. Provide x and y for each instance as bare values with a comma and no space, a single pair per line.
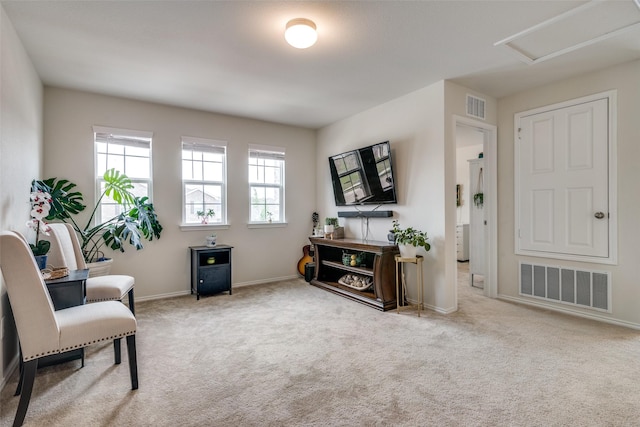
328,229
41,260
408,251
211,241
99,268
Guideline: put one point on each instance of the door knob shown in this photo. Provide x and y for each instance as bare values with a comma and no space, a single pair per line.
599,215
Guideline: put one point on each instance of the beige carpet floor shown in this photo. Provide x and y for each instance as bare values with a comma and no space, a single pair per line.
289,354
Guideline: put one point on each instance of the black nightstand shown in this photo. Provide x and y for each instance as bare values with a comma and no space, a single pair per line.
210,269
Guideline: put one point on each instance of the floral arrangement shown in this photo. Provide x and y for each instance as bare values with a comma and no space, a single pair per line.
40,206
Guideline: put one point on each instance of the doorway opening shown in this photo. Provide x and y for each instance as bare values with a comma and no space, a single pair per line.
476,203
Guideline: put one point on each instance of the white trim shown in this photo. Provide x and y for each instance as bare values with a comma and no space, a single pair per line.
200,227
266,224
267,148
204,141
567,310
490,150
128,132
612,101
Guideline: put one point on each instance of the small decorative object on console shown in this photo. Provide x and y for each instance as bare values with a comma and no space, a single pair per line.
51,273
354,281
352,260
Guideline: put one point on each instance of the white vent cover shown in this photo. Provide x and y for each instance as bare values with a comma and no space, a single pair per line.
581,288
475,107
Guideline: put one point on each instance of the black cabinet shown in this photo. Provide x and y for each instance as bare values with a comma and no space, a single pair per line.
210,269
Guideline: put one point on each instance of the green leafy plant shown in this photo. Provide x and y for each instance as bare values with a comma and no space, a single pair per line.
410,236
137,221
331,221
478,200
205,215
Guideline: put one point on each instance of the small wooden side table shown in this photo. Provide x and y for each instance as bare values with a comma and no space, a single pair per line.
400,261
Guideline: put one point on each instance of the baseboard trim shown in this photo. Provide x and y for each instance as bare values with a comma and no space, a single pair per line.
433,307
569,311
263,281
163,296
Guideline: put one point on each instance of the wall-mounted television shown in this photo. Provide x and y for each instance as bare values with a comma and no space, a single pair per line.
363,176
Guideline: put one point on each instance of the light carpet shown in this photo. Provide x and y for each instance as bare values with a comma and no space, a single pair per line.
290,354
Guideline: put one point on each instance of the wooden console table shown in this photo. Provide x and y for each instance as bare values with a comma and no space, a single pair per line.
376,263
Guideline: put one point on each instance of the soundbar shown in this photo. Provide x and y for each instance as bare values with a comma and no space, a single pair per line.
365,214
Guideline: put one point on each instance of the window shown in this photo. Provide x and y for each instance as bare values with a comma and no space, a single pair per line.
204,173
127,151
266,183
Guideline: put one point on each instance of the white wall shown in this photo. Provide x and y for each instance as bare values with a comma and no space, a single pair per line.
162,267
626,79
20,157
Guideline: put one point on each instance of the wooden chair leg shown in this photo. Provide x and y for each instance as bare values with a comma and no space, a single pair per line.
116,350
133,361
131,303
29,375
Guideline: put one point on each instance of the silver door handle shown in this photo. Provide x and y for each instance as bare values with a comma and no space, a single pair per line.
599,215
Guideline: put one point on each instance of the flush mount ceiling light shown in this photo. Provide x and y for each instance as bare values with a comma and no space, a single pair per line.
301,33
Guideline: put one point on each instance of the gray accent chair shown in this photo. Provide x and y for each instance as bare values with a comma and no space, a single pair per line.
42,331
65,252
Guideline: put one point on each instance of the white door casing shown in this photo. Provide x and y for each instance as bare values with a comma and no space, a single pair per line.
565,190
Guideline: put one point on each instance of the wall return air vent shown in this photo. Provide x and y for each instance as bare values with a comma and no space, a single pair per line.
475,107
566,285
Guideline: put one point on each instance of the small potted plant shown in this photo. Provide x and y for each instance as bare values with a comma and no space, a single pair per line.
205,216
269,216
330,224
409,239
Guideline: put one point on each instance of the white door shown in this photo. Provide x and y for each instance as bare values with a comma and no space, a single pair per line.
563,169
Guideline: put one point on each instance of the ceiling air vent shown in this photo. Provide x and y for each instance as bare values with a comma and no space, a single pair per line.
475,107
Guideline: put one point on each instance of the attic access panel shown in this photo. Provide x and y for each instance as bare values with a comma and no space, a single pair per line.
581,26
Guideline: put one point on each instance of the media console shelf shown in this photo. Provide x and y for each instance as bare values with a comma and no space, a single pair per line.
376,262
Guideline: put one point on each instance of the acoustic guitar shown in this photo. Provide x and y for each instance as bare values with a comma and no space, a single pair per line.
307,250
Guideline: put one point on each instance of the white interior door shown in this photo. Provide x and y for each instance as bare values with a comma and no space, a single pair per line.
562,169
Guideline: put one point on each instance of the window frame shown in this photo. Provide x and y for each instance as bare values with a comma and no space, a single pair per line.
126,138
206,145
272,153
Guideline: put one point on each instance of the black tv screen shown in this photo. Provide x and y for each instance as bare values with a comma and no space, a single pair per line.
363,176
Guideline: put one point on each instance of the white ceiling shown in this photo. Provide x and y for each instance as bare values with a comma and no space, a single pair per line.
230,56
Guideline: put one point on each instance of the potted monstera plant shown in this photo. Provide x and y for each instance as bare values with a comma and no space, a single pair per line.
137,220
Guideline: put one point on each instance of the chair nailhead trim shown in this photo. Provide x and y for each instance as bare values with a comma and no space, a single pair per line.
104,299
62,350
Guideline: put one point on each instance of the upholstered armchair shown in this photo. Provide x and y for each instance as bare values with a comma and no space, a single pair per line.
65,252
43,331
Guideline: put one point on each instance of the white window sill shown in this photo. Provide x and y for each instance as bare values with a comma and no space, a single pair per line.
267,225
200,227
